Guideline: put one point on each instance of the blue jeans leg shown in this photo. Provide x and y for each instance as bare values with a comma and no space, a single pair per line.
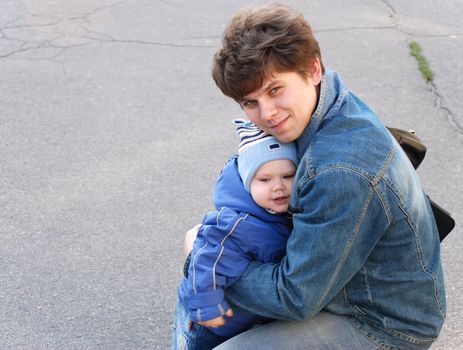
192,336
324,331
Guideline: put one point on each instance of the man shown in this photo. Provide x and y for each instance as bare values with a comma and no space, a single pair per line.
362,268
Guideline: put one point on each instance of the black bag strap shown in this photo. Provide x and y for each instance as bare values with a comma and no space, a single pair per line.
416,150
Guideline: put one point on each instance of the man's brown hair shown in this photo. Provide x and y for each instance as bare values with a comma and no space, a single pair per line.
261,41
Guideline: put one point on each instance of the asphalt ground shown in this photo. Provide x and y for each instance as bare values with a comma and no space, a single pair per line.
112,133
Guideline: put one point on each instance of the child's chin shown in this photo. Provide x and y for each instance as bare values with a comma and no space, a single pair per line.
280,210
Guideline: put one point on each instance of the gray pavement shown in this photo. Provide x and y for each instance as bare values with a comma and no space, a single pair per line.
112,133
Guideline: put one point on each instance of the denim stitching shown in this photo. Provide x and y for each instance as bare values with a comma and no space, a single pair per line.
419,250
347,249
418,245
384,203
367,334
382,345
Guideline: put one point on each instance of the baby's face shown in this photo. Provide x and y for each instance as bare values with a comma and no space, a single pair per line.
272,183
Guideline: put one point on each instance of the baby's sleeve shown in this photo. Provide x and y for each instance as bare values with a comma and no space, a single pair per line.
219,257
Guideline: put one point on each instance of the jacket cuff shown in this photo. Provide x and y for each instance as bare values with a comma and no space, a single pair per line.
205,305
209,313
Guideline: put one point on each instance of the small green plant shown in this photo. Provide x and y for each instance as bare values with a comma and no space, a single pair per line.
415,51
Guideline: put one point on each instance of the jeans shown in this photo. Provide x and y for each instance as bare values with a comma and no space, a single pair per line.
189,335
325,331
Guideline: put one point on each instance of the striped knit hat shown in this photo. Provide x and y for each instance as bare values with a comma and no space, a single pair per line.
258,147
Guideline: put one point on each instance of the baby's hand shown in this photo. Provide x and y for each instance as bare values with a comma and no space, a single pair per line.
190,237
218,321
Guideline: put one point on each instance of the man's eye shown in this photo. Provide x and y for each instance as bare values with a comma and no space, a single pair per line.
249,104
274,90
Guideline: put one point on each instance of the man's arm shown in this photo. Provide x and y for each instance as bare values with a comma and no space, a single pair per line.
329,244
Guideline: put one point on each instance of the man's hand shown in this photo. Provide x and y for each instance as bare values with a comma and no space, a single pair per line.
190,237
218,321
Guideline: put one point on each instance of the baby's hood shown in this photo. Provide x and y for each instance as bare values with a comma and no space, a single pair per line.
230,192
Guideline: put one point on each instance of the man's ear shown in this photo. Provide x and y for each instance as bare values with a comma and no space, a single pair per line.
315,69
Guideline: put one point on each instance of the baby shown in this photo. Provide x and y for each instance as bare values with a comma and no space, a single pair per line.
251,196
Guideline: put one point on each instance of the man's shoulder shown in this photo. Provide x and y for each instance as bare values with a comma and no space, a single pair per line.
358,144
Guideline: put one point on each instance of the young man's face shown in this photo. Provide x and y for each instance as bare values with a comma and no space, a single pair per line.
284,105
272,183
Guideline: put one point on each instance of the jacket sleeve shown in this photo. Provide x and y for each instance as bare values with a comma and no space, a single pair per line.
331,239
218,259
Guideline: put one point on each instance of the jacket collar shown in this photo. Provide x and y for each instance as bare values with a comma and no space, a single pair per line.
331,86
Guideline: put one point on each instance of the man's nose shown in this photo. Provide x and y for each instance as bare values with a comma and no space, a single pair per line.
268,109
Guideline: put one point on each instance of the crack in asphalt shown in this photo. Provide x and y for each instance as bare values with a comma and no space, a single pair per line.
55,21
332,30
438,98
389,6
154,43
34,25
81,16
43,44
438,102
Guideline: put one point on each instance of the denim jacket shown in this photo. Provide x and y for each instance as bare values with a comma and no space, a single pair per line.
364,242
